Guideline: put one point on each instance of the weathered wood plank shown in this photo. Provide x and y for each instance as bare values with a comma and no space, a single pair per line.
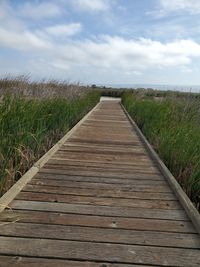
99,173
98,192
109,180
116,142
92,185
100,210
8,261
96,167
83,148
99,125
97,221
96,251
102,139
115,122
140,159
119,149
122,133
91,234
146,168
139,162
107,138
103,201
107,117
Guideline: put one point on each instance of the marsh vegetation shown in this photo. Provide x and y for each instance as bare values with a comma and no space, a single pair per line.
171,123
31,122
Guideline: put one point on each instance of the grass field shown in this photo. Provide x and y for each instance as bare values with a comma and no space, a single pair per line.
29,127
172,126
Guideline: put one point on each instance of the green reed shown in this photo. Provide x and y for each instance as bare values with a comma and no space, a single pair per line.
172,126
30,127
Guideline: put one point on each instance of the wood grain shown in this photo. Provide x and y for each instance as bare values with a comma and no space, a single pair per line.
97,251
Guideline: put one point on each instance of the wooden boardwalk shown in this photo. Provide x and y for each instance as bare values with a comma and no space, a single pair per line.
99,201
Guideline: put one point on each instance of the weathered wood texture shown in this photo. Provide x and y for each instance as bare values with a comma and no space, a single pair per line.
99,201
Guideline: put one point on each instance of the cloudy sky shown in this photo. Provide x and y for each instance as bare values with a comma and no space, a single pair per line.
102,41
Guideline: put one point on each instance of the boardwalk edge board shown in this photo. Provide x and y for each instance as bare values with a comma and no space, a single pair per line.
177,189
19,185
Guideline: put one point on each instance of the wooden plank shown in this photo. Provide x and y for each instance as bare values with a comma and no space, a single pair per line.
96,251
99,125
107,137
103,201
98,113
110,116
96,179
98,173
104,148
103,135
102,156
92,128
92,185
97,192
102,112
100,235
8,261
100,141
178,215
29,216
48,173
139,162
100,167
110,110
145,168
115,122
109,124
96,117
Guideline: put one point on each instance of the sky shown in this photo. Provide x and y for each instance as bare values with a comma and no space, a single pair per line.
102,41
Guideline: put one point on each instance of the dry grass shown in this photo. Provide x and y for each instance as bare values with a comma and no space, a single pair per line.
24,87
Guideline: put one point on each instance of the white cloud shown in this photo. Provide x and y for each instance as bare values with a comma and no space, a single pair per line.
39,10
24,41
8,17
186,69
4,9
144,53
60,64
129,55
91,5
191,6
133,73
166,7
106,52
64,30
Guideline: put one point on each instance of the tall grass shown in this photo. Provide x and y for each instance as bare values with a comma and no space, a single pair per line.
25,87
29,127
173,128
